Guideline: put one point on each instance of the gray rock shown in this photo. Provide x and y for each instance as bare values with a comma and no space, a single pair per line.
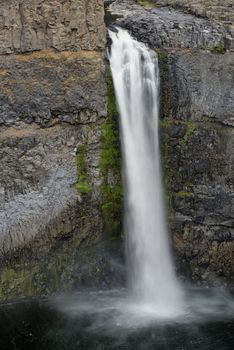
44,86
166,27
203,87
36,25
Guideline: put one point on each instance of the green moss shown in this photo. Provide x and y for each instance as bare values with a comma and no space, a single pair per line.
20,282
83,187
82,184
110,165
164,82
110,157
167,122
218,49
147,3
191,129
29,277
190,132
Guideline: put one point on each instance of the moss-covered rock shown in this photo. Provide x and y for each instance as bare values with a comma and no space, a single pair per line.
148,4
110,165
218,49
82,184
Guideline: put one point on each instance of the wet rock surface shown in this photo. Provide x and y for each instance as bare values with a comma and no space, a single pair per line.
199,179
197,84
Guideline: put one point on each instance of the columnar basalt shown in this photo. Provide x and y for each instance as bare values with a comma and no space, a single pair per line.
27,25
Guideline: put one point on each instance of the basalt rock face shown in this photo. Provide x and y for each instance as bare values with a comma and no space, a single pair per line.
27,25
197,94
219,11
167,27
223,11
52,114
45,86
198,149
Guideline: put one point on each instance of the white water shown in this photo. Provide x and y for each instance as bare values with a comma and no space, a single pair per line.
136,79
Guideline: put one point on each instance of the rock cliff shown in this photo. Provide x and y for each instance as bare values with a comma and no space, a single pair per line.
197,75
27,25
53,169
60,183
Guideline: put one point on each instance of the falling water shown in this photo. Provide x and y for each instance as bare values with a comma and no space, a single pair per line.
136,79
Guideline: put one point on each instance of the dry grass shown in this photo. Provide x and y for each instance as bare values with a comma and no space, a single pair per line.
65,55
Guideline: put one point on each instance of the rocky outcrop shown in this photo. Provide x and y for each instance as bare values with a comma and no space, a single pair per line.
166,27
197,131
215,9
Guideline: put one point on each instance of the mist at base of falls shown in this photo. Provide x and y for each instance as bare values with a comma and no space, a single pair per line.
151,276
110,321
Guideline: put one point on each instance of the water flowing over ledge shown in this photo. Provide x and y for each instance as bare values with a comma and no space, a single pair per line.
136,79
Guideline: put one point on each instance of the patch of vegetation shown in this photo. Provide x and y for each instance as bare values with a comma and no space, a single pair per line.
148,4
167,122
218,49
82,184
20,282
28,276
190,132
110,165
164,81
184,194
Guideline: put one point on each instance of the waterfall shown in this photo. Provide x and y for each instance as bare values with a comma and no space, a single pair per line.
135,74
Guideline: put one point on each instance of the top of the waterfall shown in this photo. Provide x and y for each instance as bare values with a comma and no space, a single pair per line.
125,39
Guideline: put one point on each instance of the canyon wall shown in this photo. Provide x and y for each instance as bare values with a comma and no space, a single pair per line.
60,183
53,121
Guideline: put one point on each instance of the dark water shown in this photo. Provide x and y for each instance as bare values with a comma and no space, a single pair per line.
98,322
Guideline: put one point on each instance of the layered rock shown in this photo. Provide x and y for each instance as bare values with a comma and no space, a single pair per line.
38,165
53,114
44,85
